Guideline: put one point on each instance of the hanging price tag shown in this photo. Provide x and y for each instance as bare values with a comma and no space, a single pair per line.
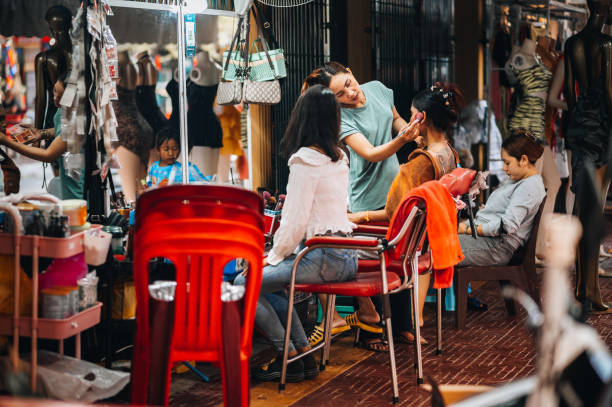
190,39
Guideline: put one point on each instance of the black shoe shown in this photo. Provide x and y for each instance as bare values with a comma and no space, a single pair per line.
271,371
311,368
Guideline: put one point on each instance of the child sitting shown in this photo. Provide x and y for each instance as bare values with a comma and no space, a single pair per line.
167,170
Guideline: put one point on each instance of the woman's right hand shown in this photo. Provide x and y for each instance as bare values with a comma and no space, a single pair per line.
3,139
411,131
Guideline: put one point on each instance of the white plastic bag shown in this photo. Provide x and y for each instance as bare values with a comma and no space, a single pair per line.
67,378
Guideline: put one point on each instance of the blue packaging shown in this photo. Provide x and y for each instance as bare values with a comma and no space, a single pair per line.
190,35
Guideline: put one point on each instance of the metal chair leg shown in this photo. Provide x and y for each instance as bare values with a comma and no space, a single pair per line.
331,303
417,327
389,332
357,333
439,317
283,378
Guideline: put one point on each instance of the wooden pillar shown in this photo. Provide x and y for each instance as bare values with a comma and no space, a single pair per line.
469,53
261,137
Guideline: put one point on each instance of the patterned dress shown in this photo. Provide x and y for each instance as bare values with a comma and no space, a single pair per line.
529,114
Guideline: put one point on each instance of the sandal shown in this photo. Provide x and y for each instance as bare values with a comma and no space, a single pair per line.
375,345
474,304
353,320
317,335
401,338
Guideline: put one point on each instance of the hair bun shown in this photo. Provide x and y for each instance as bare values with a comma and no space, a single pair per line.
452,97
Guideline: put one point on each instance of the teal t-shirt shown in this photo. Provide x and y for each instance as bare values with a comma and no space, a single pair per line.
369,182
71,188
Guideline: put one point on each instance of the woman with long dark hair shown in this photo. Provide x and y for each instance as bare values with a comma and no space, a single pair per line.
315,205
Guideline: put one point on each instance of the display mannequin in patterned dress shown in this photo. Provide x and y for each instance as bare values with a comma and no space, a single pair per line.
534,78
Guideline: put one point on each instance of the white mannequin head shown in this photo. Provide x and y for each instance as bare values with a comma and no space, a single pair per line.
205,72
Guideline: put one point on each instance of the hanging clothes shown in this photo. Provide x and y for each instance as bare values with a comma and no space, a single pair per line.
529,114
133,131
147,106
204,127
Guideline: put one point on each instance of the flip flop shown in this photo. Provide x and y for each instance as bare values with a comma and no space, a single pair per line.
375,345
317,335
353,320
607,310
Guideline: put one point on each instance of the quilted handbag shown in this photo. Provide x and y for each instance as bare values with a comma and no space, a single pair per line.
262,93
234,68
229,93
260,67
268,64
234,65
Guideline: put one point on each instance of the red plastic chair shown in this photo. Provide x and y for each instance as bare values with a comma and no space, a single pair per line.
402,242
199,228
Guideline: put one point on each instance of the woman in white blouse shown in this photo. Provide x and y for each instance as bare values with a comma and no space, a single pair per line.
315,205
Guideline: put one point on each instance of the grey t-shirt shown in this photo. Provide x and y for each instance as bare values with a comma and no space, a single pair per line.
510,210
369,182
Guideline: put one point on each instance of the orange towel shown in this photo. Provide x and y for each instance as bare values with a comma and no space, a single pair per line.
441,229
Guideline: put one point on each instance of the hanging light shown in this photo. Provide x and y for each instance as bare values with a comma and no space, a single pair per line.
195,6
284,3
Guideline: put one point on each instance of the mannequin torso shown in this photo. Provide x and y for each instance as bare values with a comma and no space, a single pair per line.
534,79
588,67
127,72
51,64
147,72
145,93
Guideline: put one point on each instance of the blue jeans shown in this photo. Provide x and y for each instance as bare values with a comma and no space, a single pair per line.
318,266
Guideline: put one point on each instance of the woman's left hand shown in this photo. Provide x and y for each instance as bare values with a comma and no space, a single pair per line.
356,217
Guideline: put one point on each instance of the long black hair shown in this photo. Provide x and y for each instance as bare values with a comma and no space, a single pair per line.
315,121
441,103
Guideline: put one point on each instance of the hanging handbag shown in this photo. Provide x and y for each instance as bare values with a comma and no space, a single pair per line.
234,62
11,174
264,93
229,91
260,69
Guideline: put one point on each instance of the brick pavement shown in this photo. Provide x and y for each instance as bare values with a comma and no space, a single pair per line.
494,348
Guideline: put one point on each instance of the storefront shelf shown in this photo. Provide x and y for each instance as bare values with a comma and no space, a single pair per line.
57,247
54,328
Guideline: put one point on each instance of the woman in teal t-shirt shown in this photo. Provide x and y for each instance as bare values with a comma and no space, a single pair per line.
369,120
71,188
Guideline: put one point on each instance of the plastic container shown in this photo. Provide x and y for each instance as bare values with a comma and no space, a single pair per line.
117,238
64,272
76,210
55,303
97,243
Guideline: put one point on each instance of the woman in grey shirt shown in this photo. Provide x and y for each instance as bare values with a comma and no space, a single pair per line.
505,223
